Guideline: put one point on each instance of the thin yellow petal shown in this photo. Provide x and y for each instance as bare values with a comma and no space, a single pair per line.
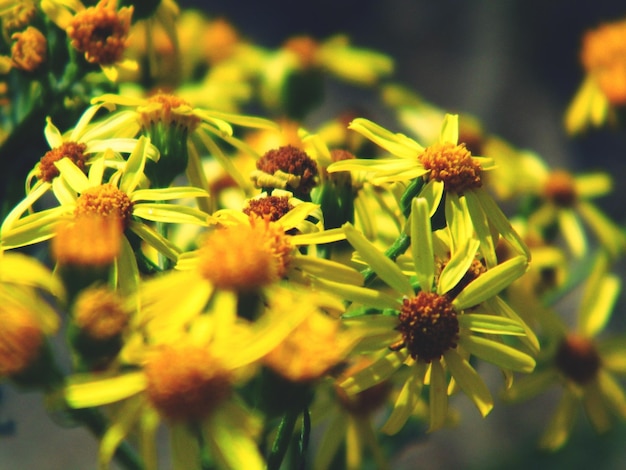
104,391
469,381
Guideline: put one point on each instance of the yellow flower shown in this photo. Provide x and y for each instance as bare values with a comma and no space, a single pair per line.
436,329
448,173
581,362
603,56
187,374
121,196
84,27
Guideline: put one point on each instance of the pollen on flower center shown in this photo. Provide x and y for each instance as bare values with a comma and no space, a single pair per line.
107,201
101,32
603,56
75,151
245,257
305,49
578,359
272,207
561,189
169,110
88,240
100,313
29,50
453,165
429,326
287,166
185,382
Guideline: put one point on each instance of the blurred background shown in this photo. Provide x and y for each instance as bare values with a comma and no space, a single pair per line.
511,63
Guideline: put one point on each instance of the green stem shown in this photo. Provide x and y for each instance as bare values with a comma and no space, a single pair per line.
282,440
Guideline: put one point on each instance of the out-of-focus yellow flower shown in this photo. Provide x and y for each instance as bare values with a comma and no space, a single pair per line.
84,27
581,362
603,56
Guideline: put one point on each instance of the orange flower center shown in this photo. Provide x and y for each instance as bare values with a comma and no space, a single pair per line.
245,257
453,165
220,40
101,32
75,151
290,165
185,383
100,313
88,240
271,207
305,49
168,110
603,56
29,50
429,326
561,189
578,359
105,200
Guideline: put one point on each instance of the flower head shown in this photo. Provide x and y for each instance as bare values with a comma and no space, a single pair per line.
580,361
29,50
440,326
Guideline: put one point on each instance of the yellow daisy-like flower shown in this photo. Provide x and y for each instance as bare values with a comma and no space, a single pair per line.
87,141
120,196
436,329
100,32
25,316
448,172
173,122
603,56
581,362
187,375
565,200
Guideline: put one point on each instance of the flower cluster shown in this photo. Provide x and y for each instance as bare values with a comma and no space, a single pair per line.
245,280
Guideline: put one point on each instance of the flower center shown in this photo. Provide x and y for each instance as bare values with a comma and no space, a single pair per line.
100,313
75,151
429,326
453,165
29,50
186,383
17,17
107,201
287,166
220,40
272,207
100,32
578,359
305,49
20,340
561,189
245,257
88,240
169,110
603,55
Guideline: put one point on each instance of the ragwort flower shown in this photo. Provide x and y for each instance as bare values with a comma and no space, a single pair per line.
581,362
100,32
435,330
603,57
450,173
121,196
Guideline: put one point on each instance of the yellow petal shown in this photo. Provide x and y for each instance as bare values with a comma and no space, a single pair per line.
104,391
